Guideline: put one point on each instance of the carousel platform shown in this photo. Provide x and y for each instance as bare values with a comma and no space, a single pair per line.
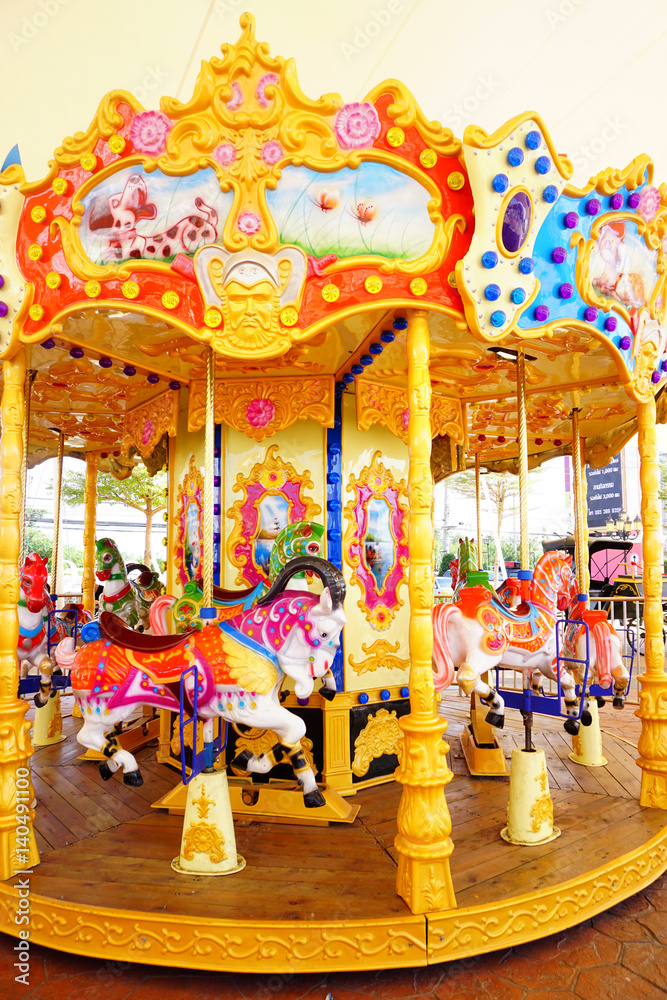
318,899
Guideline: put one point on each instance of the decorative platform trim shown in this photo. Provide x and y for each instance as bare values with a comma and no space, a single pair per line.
381,653
296,946
144,425
387,405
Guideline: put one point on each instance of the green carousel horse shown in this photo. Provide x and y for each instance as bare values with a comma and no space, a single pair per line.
131,600
181,614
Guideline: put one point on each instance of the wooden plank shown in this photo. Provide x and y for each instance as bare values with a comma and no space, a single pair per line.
68,815
98,816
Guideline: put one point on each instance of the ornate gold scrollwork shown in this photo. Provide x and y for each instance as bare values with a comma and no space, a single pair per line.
381,735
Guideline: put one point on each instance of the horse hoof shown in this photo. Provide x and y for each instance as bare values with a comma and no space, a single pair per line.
133,778
601,702
313,800
328,693
105,771
242,760
54,692
619,701
496,720
586,718
571,726
38,703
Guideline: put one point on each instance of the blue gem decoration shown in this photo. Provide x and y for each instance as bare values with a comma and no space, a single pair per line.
497,318
526,265
363,698
533,140
515,157
518,296
387,336
550,193
400,324
500,183
375,349
543,164
385,695
489,259
492,292
405,692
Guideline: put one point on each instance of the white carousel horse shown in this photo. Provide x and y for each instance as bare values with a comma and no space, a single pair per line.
241,665
605,651
34,628
130,600
479,632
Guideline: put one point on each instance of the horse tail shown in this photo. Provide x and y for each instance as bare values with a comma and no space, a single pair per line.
66,653
603,653
158,614
443,663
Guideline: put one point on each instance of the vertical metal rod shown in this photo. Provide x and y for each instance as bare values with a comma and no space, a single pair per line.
29,379
479,512
57,505
523,459
580,540
89,516
209,450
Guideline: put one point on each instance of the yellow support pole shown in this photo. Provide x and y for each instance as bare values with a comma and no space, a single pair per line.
18,849
523,461
30,378
89,518
653,693
423,842
209,448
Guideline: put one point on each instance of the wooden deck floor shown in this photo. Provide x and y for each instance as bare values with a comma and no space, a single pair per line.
100,842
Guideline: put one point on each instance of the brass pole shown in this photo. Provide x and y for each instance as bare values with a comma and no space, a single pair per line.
652,710
523,459
30,378
424,825
579,514
57,504
90,505
209,446
479,512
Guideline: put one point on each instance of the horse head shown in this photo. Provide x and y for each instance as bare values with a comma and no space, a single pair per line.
106,557
32,577
303,628
553,581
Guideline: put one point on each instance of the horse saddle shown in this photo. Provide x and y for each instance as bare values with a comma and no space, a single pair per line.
114,628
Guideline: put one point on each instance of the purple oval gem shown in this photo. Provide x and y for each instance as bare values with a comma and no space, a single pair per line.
129,370
105,363
593,206
2,281
655,377
558,255
591,314
625,343
566,291
76,352
633,199
616,201
611,323
516,222
571,219
541,314
3,309
174,385
153,378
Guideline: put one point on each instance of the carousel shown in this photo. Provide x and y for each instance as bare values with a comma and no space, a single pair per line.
310,311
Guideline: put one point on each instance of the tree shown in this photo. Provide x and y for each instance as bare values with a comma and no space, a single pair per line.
39,541
138,491
445,562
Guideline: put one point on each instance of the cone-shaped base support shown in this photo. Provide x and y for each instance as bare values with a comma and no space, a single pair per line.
48,725
587,744
208,845
76,711
530,811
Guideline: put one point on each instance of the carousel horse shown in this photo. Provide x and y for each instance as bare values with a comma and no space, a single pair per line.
605,657
35,630
71,615
479,632
303,538
462,564
129,599
241,665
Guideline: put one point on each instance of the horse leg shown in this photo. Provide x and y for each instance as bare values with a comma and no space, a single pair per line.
46,689
489,696
92,736
621,678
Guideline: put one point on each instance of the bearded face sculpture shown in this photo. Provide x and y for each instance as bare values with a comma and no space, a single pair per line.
252,290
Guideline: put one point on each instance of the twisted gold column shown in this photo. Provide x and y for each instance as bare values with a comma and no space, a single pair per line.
89,516
57,508
653,693
580,517
30,378
209,448
523,464
18,849
424,825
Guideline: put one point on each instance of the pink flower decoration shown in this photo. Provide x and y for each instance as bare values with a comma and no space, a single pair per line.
147,430
149,132
225,154
272,152
405,418
249,223
357,125
260,412
268,80
236,99
649,203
